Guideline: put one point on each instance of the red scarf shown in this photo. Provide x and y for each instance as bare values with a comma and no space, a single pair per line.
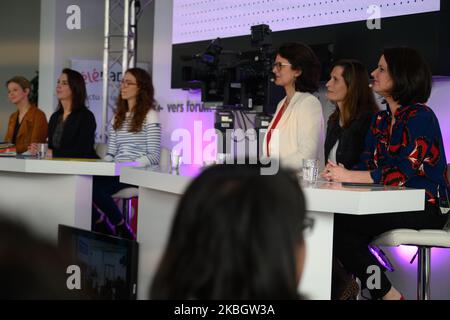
274,125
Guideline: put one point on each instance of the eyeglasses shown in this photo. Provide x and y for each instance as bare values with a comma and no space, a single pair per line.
127,83
279,65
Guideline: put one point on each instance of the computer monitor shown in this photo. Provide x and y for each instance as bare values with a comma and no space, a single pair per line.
108,265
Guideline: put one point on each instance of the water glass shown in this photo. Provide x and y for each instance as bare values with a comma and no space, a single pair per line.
310,170
175,158
42,149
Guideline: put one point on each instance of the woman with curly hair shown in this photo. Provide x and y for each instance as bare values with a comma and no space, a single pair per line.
135,135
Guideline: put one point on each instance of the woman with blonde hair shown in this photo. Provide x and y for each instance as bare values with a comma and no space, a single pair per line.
28,124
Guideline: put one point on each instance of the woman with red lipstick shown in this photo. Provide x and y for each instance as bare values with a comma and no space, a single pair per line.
71,129
28,124
403,147
296,130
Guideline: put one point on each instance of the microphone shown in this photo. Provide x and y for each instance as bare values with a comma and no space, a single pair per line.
370,85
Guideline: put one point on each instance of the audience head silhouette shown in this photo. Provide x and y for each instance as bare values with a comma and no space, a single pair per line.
30,267
237,234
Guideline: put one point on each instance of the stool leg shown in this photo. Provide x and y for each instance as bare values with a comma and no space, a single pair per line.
130,210
126,210
423,273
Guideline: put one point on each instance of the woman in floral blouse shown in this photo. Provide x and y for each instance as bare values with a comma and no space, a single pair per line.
403,147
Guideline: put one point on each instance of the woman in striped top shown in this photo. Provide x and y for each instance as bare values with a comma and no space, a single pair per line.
135,135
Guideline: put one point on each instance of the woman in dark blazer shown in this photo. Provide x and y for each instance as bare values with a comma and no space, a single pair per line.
348,88
71,129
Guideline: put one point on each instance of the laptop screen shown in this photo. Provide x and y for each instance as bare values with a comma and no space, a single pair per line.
107,265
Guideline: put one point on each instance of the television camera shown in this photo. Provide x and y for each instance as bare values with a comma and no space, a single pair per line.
234,80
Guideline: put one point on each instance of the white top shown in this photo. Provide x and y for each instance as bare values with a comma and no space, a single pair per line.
300,132
143,146
332,155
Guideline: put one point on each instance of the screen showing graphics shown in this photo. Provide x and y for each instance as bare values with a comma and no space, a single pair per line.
108,264
197,20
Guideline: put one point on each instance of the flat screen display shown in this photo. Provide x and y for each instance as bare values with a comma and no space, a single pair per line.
108,264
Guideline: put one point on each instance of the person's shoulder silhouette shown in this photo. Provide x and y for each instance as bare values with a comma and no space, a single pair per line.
30,267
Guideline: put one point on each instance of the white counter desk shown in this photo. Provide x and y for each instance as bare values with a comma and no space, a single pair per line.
159,194
45,193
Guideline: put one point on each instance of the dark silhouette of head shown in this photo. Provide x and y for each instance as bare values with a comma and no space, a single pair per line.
30,267
237,234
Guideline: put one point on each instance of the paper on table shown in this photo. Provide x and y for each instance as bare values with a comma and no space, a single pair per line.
7,150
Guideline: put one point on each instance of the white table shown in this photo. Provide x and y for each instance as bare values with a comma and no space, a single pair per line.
45,193
159,194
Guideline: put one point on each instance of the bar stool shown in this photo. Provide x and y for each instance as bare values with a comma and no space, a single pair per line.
424,239
128,194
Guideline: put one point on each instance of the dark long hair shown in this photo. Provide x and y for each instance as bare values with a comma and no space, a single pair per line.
145,101
302,58
234,236
411,75
78,88
359,99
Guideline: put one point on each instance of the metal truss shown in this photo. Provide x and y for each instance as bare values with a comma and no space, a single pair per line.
119,49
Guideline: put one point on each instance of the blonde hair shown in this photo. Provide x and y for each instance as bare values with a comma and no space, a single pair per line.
21,81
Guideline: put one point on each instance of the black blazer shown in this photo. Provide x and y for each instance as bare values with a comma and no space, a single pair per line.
78,135
351,140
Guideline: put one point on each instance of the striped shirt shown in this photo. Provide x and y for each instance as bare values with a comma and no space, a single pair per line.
143,146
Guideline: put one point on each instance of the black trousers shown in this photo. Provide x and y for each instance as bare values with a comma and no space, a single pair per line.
352,235
102,189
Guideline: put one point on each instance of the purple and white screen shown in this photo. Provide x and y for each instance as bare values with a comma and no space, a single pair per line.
197,20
